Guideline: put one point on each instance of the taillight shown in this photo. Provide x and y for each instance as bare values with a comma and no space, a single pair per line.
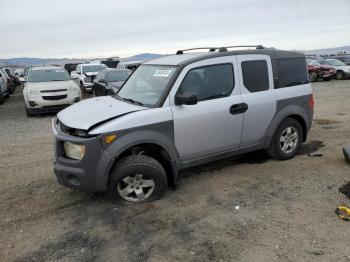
311,101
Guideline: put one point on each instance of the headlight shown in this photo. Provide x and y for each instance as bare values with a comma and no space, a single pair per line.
74,151
32,92
87,79
73,89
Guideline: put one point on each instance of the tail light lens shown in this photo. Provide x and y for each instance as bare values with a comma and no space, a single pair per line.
312,102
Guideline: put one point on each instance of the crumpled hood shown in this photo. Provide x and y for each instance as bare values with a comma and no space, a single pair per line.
91,112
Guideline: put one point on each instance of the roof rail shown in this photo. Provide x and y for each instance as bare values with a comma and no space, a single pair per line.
220,49
211,49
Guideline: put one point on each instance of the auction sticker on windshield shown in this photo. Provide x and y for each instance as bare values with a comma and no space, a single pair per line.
162,73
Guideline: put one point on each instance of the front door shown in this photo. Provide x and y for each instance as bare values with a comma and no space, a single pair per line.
214,124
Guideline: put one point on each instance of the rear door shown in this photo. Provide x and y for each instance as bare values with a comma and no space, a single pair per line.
211,126
256,81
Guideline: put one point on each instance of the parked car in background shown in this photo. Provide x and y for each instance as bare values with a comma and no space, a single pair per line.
13,76
318,71
343,70
131,65
109,81
4,92
70,67
49,89
182,111
24,75
344,58
10,83
86,73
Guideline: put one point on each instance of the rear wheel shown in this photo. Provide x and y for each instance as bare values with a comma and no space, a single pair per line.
312,77
137,179
340,75
287,140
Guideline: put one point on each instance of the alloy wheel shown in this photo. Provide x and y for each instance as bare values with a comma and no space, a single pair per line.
136,188
289,140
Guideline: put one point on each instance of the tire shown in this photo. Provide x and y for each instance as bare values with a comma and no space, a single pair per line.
28,113
286,150
339,75
11,89
2,98
82,88
134,174
312,77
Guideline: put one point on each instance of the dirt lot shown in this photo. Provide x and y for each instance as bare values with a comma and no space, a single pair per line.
286,209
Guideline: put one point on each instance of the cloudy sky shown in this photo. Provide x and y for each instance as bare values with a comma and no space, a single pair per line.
85,28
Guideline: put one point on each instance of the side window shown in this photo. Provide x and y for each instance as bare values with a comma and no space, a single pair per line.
292,72
255,75
208,82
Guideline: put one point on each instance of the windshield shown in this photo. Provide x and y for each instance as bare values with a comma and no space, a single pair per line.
147,84
93,68
116,76
46,75
336,62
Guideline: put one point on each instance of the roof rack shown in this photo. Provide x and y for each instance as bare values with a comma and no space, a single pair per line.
211,49
220,49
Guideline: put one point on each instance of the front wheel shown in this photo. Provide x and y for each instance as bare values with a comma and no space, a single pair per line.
340,75
137,179
312,77
287,140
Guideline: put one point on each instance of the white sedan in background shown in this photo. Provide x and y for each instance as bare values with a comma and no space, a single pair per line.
49,89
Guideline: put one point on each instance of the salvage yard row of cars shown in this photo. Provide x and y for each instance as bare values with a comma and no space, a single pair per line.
327,69
8,82
52,88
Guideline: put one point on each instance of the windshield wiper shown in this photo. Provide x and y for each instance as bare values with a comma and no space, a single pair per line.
128,100
132,101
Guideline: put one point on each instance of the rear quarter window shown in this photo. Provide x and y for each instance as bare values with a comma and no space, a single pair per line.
291,72
255,75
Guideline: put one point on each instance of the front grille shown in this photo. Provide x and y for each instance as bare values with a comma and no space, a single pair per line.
53,91
54,97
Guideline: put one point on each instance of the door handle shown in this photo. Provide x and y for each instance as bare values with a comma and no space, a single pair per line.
238,108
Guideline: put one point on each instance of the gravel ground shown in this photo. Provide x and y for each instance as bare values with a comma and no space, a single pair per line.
286,209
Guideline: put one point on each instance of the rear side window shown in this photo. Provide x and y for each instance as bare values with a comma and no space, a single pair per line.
208,82
255,75
292,72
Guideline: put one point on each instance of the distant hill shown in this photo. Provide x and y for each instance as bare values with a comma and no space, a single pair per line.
26,61
143,57
329,51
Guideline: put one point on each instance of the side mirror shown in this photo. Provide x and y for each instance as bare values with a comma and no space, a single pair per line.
186,100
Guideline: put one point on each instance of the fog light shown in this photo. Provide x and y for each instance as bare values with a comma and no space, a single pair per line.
74,151
32,103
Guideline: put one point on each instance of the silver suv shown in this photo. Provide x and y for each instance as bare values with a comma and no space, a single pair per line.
181,111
